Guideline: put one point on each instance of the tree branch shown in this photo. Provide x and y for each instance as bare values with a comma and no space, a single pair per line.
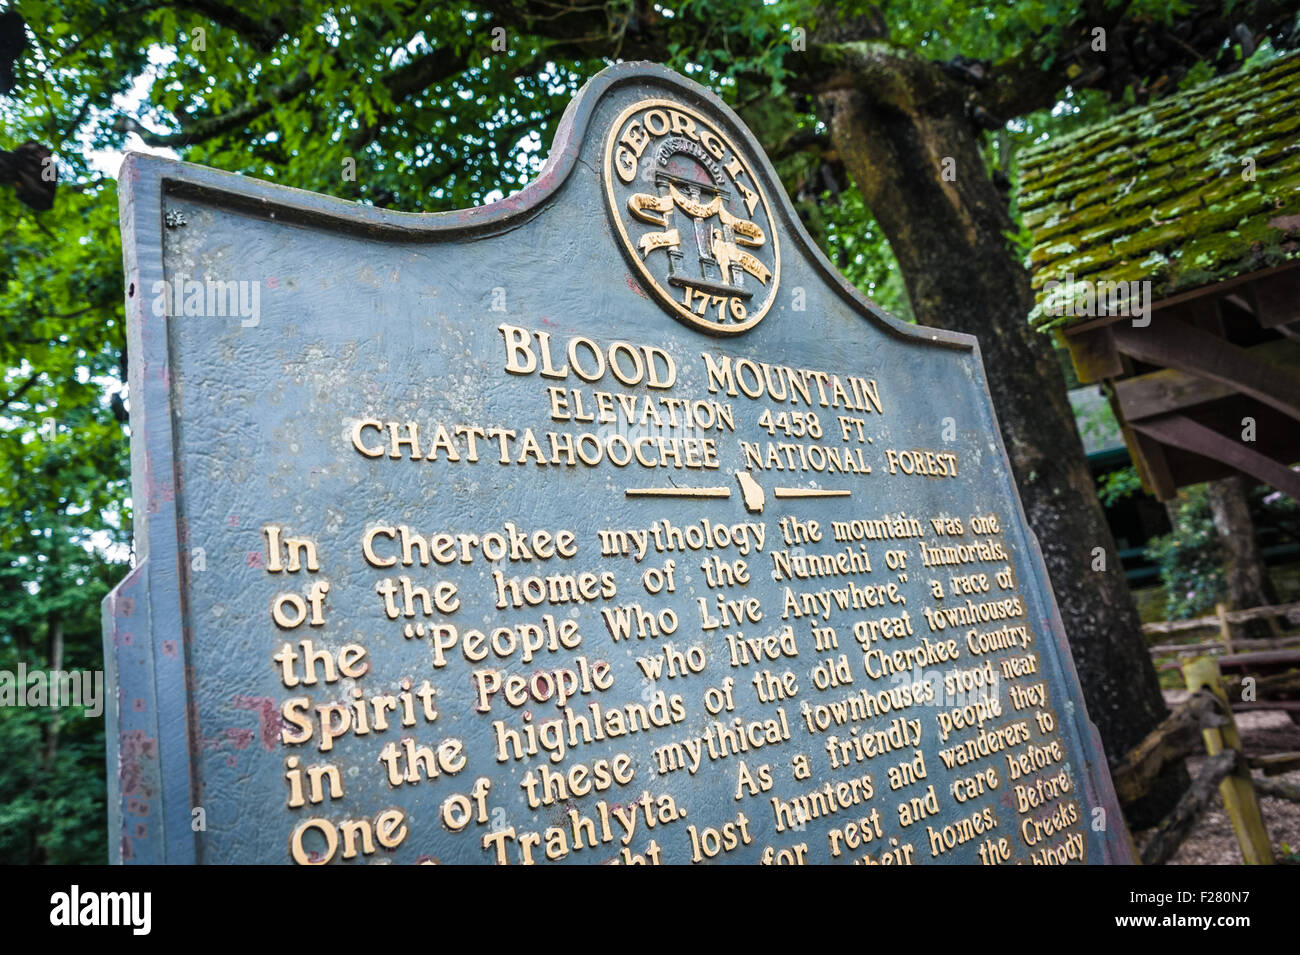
633,32
404,82
1178,737
1176,826
262,31
890,75
414,78
223,123
1136,51
21,389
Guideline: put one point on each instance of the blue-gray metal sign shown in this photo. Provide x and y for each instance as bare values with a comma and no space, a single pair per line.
605,523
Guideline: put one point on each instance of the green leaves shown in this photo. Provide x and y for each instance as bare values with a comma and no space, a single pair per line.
1191,570
859,249
63,461
416,99
1118,485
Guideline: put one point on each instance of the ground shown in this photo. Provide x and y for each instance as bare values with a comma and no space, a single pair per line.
1212,841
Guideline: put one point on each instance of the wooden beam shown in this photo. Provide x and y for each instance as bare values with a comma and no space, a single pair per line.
1174,344
1267,658
1161,392
1173,829
1148,456
1152,466
1237,789
1094,355
1266,612
1276,763
1278,789
1176,738
1277,298
1225,628
1182,432
1201,312
1240,302
1218,288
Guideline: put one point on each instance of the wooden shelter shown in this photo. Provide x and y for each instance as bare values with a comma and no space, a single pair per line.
1166,258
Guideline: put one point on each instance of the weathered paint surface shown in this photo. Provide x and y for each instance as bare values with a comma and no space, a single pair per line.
367,312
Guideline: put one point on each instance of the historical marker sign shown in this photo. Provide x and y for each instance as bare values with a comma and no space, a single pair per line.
603,524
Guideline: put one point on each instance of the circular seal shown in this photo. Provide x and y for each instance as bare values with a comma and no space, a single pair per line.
692,216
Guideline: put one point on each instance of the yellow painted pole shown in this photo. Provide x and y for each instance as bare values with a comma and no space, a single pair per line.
1238,790
1225,628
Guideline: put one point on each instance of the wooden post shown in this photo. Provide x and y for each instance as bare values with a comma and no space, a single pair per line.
1238,790
1225,628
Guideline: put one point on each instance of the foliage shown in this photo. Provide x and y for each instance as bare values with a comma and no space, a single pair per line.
1115,486
859,249
1191,571
1278,511
63,493
52,811
1189,556
1098,421
431,112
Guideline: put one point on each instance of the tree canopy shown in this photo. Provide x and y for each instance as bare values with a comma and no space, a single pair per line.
428,106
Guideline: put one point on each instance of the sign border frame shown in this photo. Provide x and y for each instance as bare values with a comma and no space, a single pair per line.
152,719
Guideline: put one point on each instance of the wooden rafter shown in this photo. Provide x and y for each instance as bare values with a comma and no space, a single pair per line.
1200,353
1182,432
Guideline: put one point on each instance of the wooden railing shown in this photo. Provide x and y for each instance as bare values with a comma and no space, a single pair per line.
1207,714
1223,620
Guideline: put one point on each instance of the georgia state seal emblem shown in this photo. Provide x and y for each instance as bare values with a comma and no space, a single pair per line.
692,215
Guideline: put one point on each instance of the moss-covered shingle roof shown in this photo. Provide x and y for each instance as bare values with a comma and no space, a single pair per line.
1158,193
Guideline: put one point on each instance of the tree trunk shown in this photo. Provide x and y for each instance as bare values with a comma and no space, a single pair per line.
1243,565
949,239
49,731
54,654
